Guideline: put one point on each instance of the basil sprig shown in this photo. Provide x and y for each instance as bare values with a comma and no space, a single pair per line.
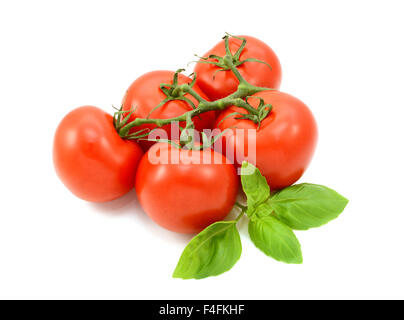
272,219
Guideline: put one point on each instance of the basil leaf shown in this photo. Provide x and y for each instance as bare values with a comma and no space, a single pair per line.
275,239
304,206
255,186
213,251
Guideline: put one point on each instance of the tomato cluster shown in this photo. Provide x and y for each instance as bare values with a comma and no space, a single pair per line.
97,164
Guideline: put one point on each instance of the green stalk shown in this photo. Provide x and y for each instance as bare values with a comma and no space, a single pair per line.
176,91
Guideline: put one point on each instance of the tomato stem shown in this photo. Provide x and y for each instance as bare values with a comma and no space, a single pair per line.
175,91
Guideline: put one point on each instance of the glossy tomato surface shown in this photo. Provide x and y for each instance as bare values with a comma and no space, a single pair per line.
284,143
181,195
91,159
145,94
218,85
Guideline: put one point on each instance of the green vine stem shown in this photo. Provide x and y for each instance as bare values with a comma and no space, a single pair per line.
175,91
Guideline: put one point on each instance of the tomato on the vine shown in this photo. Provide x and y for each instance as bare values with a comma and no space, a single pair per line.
144,95
219,84
91,159
285,141
188,194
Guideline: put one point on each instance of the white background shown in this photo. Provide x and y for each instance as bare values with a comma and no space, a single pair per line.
344,59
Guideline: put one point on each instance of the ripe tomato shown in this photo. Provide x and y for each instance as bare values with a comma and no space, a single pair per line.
91,159
145,94
184,196
218,85
285,141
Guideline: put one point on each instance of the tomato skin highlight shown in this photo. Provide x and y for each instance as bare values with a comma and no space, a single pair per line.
144,94
217,85
90,158
285,142
185,197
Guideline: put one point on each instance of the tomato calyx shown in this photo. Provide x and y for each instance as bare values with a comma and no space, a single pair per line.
121,118
175,91
229,61
263,111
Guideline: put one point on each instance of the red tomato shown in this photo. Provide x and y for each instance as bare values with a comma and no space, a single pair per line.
144,95
91,159
183,196
285,141
218,85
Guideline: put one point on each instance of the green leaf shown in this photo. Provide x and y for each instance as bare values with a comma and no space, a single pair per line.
213,251
304,206
275,239
255,186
